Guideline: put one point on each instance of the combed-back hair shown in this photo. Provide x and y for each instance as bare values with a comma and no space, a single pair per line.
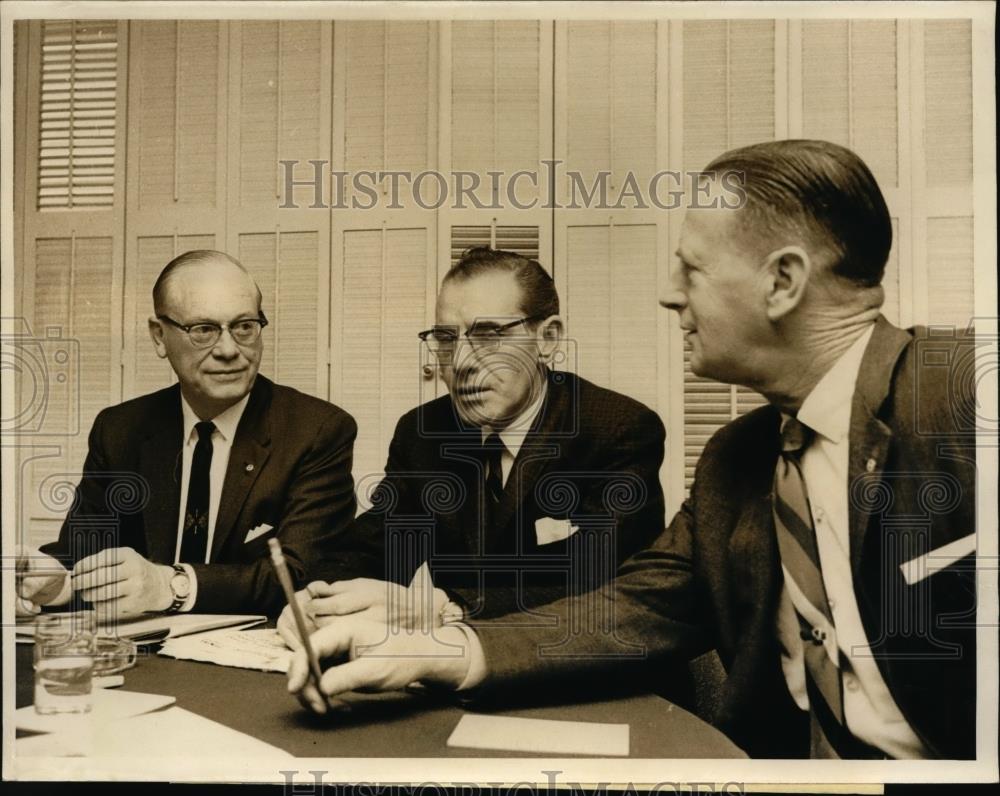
538,289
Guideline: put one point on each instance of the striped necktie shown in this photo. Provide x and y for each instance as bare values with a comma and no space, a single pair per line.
803,574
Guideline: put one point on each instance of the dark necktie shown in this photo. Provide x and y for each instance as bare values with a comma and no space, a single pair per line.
800,563
194,543
493,449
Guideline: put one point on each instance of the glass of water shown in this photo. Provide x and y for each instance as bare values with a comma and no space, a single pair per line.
64,662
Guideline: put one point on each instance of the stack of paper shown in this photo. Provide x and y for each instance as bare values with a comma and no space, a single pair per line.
263,650
156,627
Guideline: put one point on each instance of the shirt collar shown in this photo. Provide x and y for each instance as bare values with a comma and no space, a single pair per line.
827,408
514,433
225,422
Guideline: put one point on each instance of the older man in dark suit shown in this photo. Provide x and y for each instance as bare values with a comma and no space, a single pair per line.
183,487
827,547
521,486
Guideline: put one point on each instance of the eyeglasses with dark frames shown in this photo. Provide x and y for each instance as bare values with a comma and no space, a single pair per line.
205,335
442,340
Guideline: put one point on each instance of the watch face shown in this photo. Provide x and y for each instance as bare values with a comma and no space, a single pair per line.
180,584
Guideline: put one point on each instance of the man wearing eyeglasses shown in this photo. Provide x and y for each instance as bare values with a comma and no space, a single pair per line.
218,464
521,485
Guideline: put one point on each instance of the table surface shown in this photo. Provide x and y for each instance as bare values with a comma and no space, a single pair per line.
258,704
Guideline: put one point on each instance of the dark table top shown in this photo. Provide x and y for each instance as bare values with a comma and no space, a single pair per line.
391,725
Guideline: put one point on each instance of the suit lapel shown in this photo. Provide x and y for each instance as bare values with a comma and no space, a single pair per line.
870,438
249,453
536,454
160,466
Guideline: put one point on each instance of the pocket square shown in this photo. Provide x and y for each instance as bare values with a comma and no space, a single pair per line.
549,529
260,530
923,566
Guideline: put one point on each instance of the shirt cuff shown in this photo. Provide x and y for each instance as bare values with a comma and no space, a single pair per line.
477,659
188,604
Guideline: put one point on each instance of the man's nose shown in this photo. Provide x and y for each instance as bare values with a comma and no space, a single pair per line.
225,347
673,297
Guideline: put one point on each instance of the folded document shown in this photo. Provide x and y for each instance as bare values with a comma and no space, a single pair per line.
262,650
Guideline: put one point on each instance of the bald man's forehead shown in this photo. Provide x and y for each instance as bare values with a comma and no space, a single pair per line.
195,287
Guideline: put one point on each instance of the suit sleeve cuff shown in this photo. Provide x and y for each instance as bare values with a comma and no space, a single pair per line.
192,597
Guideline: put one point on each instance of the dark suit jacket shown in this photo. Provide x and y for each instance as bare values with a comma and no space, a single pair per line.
713,578
592,458
289,467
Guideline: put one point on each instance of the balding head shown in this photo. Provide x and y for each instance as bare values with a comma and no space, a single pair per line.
205,263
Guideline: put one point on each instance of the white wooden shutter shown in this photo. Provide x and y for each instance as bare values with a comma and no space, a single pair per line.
285,267
495,102
611,310
849,89
611,100
77,113
72,314
948,110
950,271
385,301
387,87
175,113
280,108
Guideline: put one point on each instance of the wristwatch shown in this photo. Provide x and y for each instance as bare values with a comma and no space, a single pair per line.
180,588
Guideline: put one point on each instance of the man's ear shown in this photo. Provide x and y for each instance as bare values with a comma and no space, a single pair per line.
548,335
788,272
156,335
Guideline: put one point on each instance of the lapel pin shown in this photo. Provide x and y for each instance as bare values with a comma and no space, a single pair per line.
870,465
249,468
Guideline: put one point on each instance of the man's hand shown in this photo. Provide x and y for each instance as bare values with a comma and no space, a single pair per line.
378,659
41,580
286,622
406,607
378,600
120,583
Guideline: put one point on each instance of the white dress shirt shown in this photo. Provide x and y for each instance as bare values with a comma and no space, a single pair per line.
222,444
870,712
514,433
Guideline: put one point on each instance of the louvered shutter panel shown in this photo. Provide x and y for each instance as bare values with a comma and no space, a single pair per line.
73,296
948,101
950,271
385,303
495,99
849,87
78,114
176,111
285,267
948,144
387,87
611,100
280,108
520,240
611,308
728,102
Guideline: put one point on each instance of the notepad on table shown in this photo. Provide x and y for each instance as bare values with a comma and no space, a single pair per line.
513,734
262,650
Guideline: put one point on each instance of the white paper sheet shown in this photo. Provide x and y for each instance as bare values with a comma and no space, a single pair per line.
105,706
171,733
512,734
